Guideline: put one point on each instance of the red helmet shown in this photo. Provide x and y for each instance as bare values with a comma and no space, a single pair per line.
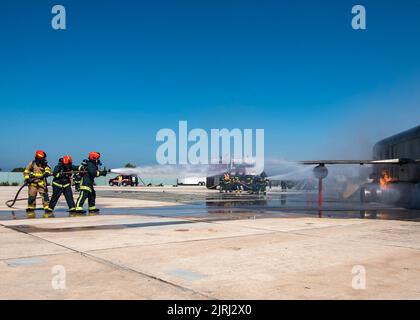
67,160
94,155
39,155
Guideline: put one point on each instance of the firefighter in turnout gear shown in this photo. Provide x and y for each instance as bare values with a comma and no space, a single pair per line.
35,175
225,182
236,184
87,190
61,184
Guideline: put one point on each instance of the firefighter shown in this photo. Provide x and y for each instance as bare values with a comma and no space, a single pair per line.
62,184
236,184
265,182
134,181
232,183
224,183
249,183
87,190
258,185
35,175
253,186
283,186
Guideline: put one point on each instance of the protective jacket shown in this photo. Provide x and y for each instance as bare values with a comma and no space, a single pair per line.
92,171
87,191
62,174
37,169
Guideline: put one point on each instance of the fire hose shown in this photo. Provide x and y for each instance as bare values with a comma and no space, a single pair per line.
11,203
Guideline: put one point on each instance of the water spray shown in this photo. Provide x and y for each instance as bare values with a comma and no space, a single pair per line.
172,171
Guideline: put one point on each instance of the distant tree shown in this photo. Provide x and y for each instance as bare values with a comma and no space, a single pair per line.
130,165
1,169
18,169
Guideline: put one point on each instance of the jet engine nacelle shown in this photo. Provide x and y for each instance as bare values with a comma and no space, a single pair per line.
320,172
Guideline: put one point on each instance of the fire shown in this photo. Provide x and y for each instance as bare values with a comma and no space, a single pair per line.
385,179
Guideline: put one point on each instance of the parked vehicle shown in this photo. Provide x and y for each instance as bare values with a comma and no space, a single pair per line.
124,181
191,181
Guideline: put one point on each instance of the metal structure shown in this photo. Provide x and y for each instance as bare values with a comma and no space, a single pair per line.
396,170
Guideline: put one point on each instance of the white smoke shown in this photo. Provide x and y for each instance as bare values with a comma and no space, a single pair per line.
343,181
276,169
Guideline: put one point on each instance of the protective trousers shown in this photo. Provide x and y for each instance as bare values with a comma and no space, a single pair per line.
58,190
33,191
86,192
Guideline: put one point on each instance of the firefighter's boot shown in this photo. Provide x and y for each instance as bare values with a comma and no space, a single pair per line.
30,213
93,211
48,213
78,212
72,212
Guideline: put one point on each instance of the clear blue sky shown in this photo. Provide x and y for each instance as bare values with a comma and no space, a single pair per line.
125,69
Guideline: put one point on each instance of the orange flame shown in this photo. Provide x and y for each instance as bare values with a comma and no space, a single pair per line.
385,179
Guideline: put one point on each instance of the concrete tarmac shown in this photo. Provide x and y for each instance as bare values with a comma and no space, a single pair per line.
192,243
